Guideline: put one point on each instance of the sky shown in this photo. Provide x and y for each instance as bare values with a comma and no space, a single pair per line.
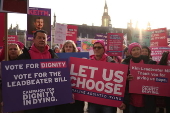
90,12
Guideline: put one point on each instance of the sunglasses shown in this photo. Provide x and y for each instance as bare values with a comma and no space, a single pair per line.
97,47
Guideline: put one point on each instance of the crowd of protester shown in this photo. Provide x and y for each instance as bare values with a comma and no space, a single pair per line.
133,53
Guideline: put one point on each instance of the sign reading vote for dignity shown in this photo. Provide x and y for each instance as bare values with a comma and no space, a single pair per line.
32,84
150,79
98,82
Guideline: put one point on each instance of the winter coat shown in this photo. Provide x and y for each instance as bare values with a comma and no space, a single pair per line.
149,100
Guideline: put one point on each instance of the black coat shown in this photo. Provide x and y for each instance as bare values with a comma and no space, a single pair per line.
149,100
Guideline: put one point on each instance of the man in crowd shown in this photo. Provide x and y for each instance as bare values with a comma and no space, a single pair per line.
39,50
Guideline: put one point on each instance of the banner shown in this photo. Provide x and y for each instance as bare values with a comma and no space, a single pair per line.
103,37
29,84
12,39
156,53
98,82
114,44
60,33
159,37
84,55
38,19
71,33
141,36
150,79
15,6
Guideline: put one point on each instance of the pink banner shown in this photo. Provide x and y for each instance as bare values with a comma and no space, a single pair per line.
114,44
150,79
12,38
71,33
156,53
159,37
98,82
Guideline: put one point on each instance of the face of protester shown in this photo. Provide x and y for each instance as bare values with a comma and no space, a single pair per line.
57,50
136,52
98,49
13,51
127,53
39,24
145,52
68,48
40,41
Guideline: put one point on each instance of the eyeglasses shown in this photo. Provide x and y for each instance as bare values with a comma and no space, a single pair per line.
97,47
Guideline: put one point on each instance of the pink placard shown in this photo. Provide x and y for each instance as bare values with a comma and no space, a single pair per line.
12,38
150,79
71,33
98,82
159,37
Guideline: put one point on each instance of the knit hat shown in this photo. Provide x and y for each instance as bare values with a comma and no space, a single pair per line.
132,45
101,42
56,47
20,44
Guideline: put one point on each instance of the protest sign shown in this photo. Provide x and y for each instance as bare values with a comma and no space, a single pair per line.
87,45
114,44
150,79
12,39
71,33
78,55
60,33
159,37
29,84
38,19
103,37
98,82
156,53
78,43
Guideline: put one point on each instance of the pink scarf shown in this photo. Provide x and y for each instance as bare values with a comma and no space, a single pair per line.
36,54
104,57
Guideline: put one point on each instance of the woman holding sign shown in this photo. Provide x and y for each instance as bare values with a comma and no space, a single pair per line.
138,103
77,106
14,50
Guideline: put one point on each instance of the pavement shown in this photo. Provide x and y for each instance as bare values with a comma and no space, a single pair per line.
85,107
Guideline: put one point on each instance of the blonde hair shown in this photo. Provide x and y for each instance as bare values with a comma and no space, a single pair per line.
67,42
20,50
